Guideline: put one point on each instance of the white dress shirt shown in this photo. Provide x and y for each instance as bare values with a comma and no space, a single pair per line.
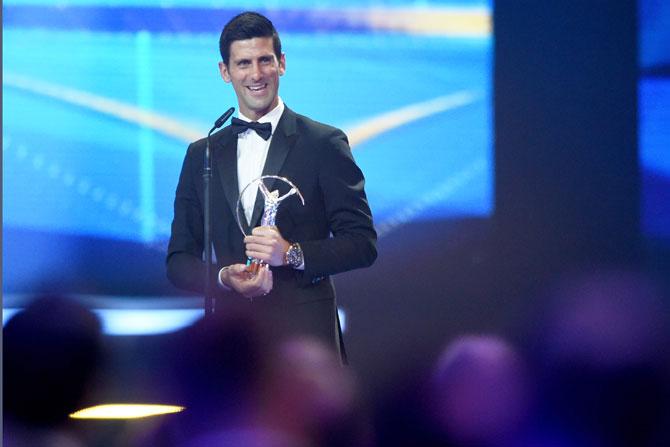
252,150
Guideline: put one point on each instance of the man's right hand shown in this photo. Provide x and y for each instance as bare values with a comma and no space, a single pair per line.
239,279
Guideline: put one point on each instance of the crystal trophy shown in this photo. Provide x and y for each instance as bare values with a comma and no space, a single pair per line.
271,200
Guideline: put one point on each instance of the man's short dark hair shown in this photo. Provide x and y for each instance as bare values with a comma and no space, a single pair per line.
247,26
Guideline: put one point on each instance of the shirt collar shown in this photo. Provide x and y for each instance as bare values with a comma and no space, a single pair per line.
271,117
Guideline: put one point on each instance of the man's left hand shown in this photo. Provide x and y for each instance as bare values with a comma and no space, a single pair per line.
267,244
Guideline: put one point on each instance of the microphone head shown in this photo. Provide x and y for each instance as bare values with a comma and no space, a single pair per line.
223,118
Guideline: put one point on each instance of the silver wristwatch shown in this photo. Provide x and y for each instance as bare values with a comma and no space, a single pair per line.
293,256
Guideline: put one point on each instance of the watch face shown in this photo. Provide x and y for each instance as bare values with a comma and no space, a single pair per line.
294,255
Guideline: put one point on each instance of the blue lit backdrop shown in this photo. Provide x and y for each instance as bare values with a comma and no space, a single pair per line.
654,118
102,97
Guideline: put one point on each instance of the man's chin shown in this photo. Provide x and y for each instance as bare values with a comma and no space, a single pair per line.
259,109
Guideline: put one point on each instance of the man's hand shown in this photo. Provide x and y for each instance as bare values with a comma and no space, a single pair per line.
239,279
267,245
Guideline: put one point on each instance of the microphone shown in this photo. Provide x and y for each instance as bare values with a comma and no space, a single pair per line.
222,119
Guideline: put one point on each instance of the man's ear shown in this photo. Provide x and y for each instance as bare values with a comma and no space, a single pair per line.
282,64
223,69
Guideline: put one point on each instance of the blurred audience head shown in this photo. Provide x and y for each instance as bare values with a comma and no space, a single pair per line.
243,383
481,391
217,366
311,396
51,350
219,362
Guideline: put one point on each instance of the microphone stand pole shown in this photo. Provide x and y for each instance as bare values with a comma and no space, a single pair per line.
207,225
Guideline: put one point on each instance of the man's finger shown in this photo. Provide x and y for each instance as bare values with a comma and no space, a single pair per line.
263,240
263,231
252,251
237,268
258,247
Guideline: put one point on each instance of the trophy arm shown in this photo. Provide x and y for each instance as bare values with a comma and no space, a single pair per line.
288,194
264,189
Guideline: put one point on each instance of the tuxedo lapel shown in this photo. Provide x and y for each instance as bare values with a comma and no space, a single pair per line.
225,156
283,140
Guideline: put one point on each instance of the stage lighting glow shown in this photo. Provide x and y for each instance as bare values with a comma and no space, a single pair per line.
7,314
343,319
136,321
125,411
146,321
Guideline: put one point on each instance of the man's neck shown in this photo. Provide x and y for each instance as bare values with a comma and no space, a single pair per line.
268,116
271,117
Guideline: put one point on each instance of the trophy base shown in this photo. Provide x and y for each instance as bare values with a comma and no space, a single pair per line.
254,265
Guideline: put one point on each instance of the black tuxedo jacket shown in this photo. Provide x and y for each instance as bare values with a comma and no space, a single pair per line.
334,227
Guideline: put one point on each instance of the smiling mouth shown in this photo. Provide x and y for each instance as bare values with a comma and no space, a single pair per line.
256,88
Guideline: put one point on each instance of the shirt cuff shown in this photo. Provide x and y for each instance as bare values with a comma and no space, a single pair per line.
221,283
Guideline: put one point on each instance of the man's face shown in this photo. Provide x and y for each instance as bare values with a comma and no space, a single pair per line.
254,72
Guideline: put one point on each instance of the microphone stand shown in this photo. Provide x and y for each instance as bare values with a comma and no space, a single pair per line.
207,225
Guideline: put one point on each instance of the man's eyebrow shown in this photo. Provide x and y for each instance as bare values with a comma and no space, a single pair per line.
248,59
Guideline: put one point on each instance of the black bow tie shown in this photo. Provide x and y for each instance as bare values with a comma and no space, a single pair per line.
264,130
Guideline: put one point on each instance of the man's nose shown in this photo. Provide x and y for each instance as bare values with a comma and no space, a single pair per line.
256,72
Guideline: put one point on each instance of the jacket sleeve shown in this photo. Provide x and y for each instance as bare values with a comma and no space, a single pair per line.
353,238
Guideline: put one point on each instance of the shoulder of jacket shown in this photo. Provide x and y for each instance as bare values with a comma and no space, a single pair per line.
199,145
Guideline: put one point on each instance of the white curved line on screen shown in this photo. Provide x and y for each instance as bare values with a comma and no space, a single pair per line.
384,122
171,127
107,106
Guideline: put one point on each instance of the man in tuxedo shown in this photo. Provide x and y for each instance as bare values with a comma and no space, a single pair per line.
331,233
